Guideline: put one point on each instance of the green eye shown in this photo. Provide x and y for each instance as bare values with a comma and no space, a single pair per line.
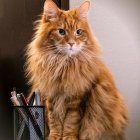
78,32
62,31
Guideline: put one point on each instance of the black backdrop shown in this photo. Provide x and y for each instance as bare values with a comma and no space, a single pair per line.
16,29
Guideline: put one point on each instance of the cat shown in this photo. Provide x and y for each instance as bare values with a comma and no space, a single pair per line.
79,93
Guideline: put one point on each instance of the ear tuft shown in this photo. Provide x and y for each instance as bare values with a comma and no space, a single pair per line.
50,10
83,9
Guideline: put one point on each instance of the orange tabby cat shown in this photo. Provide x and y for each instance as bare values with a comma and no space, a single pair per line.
63,62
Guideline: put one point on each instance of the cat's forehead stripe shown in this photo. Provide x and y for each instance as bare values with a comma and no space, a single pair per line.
69,21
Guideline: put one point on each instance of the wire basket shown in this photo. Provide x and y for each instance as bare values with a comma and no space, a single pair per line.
27,127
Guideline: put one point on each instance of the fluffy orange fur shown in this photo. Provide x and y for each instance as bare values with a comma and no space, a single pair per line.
63,62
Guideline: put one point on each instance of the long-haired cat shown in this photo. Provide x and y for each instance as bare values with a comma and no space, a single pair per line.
63,61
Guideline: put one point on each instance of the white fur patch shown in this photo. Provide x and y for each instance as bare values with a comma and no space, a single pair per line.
70,50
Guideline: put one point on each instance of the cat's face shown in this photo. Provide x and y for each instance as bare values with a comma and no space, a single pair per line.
69,36
66,32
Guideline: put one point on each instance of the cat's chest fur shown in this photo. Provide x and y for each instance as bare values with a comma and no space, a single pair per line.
70,77
60,104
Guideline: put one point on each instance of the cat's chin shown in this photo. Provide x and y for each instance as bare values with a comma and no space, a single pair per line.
71,52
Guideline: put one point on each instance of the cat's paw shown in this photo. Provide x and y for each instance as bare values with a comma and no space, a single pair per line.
70,138
54,138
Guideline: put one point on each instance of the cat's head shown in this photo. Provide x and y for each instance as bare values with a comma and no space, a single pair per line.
65,32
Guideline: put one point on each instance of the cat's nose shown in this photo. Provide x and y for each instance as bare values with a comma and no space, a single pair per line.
71,44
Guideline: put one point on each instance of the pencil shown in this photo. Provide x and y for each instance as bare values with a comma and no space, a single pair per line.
16,103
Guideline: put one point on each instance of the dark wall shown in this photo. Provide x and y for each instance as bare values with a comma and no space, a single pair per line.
16,29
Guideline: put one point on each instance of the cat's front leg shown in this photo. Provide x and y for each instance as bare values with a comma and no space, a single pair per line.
71,125
54,124
55,127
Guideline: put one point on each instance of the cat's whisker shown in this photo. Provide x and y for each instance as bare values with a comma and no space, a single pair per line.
48,49
91,53
59,51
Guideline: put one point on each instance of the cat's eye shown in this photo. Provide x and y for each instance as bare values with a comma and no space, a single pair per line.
62,31
78,32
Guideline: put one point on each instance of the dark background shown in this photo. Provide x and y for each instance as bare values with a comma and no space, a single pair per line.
16,30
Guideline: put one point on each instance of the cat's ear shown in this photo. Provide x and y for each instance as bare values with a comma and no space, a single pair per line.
83,9
50,10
